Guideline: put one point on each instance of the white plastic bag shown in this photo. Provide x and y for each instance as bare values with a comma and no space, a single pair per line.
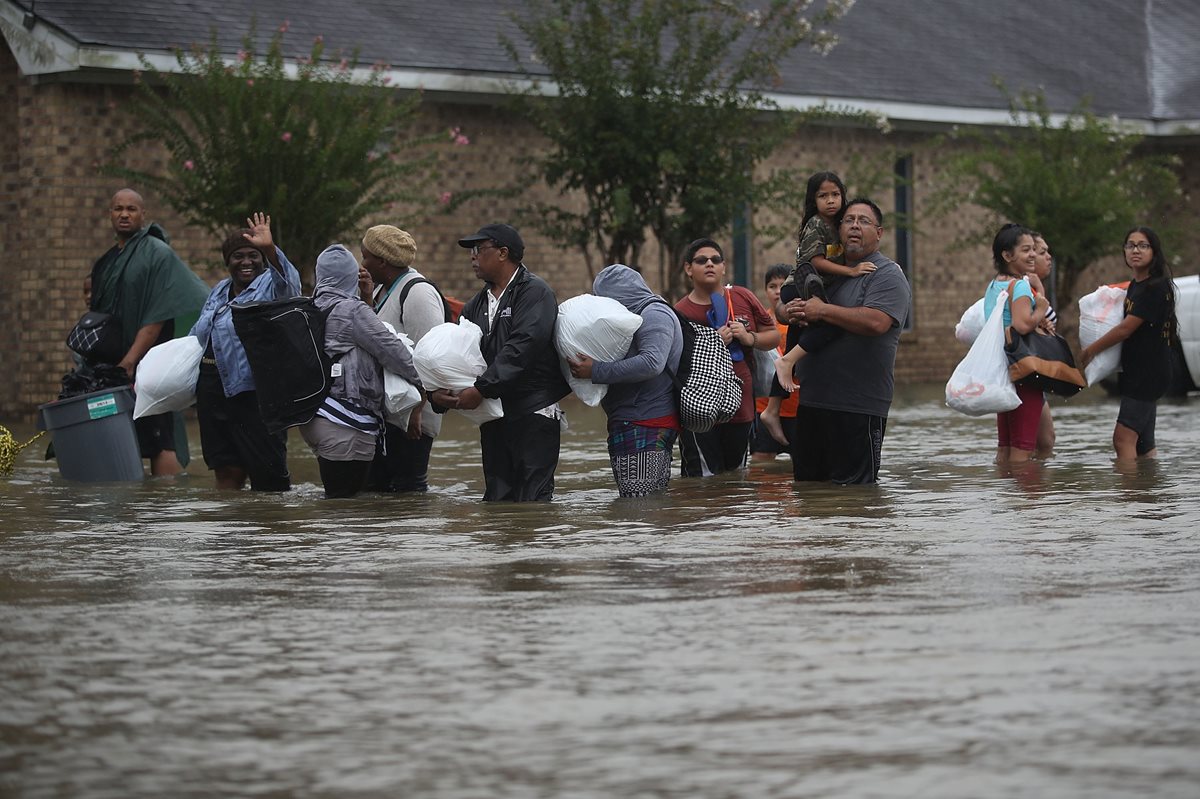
166,377
980,384
967,329
1100,312
600,328
399,395
448,357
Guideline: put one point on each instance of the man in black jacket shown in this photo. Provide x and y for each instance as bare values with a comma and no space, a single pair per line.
516,311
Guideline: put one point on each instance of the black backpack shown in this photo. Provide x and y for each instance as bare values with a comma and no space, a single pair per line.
707,391
285,346
448,313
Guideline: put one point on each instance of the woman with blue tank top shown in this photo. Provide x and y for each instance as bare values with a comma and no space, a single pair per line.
1013,256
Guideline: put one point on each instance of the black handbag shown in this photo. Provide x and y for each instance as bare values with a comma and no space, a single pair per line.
96,338
1042,360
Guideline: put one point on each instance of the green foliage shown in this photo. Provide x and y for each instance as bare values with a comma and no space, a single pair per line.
656,118
298,138
1081,183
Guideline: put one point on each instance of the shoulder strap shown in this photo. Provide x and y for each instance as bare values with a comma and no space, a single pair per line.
408,287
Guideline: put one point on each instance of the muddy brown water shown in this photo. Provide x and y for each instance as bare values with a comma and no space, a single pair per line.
955,631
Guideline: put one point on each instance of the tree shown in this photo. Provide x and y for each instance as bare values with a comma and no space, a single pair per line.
303,141
1081,183
657,118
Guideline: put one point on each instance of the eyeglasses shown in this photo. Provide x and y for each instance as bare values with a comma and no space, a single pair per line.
476,249
861,221
701,260
1140,246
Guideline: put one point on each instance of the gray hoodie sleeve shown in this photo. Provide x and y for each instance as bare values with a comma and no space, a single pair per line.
370,334
649,353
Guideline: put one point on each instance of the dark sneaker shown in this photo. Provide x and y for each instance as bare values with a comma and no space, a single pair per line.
814,287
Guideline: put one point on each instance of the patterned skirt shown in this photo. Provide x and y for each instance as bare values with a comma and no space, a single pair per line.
641,457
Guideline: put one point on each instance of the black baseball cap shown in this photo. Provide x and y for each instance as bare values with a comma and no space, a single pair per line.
504,235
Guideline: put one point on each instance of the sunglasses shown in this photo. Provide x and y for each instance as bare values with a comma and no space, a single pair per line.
701,260
475,250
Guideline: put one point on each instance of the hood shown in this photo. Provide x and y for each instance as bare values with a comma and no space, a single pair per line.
337,271
623,284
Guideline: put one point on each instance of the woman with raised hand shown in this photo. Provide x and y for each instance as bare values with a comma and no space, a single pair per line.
1145,334
233,437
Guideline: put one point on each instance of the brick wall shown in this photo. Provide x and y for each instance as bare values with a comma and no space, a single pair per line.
53,197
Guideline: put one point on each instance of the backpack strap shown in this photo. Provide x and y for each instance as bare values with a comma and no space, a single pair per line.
408,287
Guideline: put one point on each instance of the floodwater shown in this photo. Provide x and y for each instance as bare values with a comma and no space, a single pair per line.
955,631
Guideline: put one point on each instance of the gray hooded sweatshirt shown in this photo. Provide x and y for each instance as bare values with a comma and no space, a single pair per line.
353,332
638,385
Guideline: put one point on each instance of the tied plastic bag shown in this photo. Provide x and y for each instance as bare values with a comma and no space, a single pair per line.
967,329
166,377
448,357
600,328
1100,312
764,371
980,384
399,395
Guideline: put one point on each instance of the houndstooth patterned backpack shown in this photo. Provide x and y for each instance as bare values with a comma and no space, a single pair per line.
709,392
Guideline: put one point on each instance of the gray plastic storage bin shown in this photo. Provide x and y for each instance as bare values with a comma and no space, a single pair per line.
94,438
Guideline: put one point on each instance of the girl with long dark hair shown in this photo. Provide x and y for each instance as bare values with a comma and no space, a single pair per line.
1145,334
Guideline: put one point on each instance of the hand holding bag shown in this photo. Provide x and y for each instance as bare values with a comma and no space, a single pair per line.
980,384
1042,360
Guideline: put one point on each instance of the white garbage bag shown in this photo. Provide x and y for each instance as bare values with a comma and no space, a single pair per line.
399,395
967,329
448,357
980,384
166,377
600,328
1100,312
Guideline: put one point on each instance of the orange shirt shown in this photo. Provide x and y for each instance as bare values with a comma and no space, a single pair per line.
788,409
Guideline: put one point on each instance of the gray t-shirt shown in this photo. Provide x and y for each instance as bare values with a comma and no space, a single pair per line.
857,373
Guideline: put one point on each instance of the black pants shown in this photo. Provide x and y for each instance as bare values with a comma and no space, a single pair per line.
343,479
232,433
519,458
401,463
837,446
812,339
721,449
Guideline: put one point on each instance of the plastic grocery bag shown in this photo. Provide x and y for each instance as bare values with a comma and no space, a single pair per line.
448,357
399,395
166,377
980,384
600,328
967,329
1100,312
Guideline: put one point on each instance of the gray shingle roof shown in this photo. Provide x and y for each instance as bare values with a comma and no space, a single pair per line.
1137,59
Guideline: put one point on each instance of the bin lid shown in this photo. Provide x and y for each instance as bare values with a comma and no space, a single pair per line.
86,407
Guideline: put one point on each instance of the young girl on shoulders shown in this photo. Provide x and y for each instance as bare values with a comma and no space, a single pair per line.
819,262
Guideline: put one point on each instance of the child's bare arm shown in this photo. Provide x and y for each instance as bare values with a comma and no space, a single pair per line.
828,267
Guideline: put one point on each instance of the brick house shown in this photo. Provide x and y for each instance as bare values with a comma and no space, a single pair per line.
66,71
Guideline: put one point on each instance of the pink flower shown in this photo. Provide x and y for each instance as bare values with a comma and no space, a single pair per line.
386,80
243,55
189,165
445,198
344,64
372,156
461,139
284,27
319,39
287,137
249,81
